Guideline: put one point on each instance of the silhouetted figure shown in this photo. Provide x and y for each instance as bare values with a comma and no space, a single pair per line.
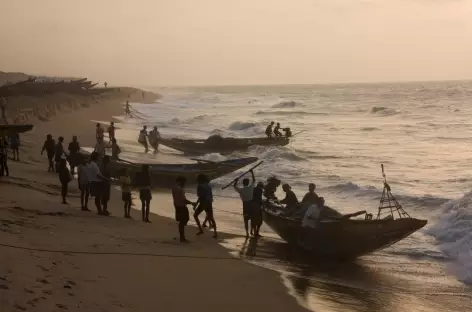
125,183
268,130
105,84
246,193
290,199
15,146
96,180
256,219
271,187
111,131
154,137
50,147
4,157
115,150
142,139
74,149
99,132
82,180
277,130
106,184
127,109
288,132
180,204
143,180
204,203
311,197
58,151
64,178
3,107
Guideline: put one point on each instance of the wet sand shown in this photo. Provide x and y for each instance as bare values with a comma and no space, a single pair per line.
55,257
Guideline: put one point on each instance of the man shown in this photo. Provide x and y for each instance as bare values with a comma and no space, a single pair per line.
204,203
3,105
49,146
268,131
115,150
246,193
288,133
311,197
127,109
142,139
95,180
58,151
111,131
256,218
154,137
106,184
99,132
180,204
290,199
277,130
15,146
74,148
100,148
3,157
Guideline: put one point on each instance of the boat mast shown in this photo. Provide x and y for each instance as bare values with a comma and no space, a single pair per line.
389,202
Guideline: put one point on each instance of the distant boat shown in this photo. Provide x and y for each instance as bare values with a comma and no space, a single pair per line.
164,175
218,144
7,130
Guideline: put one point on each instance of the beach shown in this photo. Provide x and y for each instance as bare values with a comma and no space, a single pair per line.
55,257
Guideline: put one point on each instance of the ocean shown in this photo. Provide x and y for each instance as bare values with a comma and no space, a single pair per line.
421,132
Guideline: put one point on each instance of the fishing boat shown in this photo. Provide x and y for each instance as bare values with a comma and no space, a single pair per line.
337,236
218,144
164,175
7,130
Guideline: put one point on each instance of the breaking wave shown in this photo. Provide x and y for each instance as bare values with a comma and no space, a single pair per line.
453,232
383,111
275,153
238,125
287,104
288,113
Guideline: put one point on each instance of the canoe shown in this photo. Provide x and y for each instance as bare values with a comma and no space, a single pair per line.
7,130
342,239
216,144
164,175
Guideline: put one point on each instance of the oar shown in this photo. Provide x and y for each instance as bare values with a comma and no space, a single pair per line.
240,176
298,133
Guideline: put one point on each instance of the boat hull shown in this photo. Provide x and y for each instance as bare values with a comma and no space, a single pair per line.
223,146
342,239
164,175
7,130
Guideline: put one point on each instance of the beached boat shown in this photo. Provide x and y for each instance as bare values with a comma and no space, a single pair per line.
164,175
218,144
338,236
7,130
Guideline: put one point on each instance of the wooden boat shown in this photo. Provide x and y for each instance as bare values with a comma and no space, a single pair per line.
337,236
217,144
7,130
164,175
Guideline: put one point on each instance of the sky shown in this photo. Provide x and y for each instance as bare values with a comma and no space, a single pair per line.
240,42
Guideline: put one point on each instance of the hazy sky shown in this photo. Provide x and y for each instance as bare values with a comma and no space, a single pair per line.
206,42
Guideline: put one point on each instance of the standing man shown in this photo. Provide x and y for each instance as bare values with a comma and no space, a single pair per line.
180,204
3,157
246,193
111,131
49,146
127,109
277,130
142,139
58,151
3,105
15,146
99,132
74,149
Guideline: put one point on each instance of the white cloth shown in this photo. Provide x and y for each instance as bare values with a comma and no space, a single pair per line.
83,174
312,214
246,192
93,172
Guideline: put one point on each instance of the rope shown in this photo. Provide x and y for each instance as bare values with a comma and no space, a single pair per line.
116,253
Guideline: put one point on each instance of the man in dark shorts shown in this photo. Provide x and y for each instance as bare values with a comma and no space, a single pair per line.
180,205
204,203
49,146
106,185
246,193
256,219
143,180
96,179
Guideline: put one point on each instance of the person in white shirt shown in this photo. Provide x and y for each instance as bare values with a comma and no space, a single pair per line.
95,179
82,179
100,148
312,214
246,193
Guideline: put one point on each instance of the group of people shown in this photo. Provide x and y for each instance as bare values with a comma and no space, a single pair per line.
272,131
153,137
101,146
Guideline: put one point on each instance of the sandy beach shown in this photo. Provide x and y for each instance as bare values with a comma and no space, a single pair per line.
55,257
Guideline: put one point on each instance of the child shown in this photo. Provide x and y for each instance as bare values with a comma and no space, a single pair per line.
125,182
64,177
83,182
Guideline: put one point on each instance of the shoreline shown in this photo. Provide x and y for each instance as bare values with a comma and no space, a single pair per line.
56,257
